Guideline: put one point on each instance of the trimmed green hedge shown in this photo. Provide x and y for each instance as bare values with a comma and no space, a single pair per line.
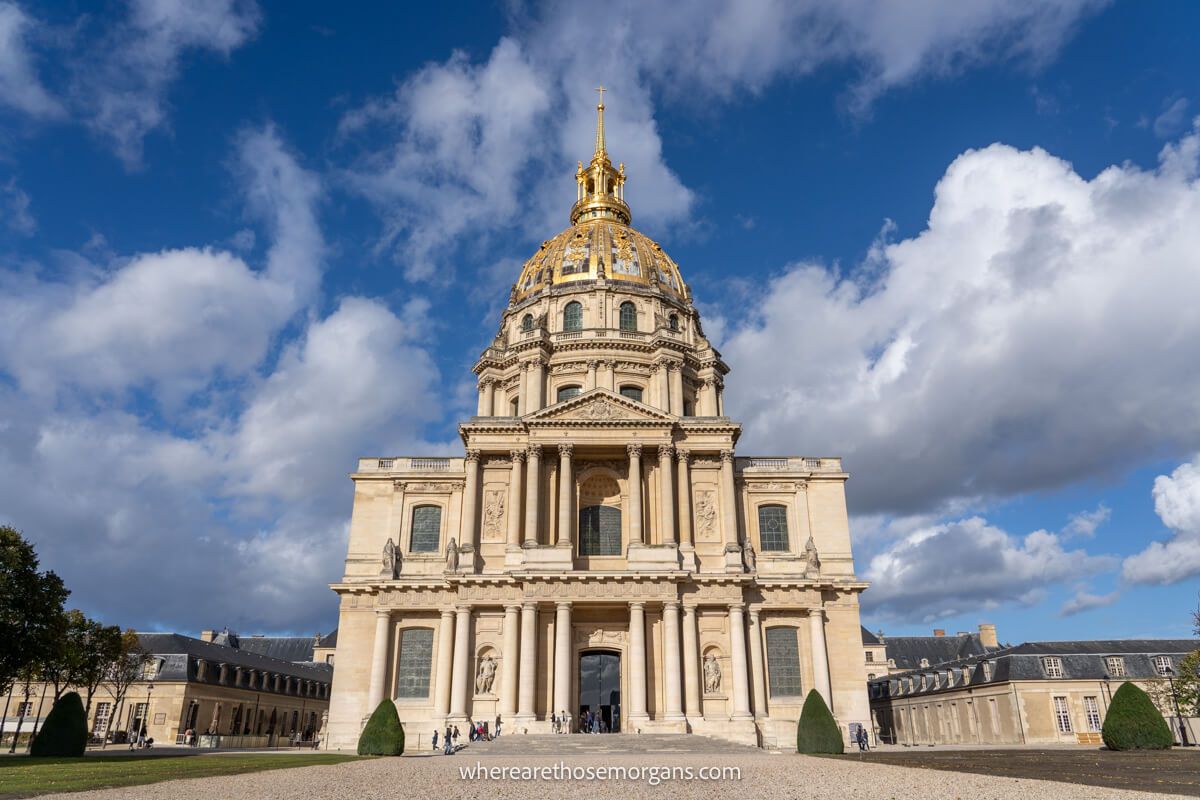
1133,723
384,735
65,732
817,731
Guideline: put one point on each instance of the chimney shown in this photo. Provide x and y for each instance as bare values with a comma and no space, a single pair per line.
962,633
207,636
987,635
939,632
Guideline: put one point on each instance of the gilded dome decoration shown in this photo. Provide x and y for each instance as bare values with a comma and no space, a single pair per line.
600,244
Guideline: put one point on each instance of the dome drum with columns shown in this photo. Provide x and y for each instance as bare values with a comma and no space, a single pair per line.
600,549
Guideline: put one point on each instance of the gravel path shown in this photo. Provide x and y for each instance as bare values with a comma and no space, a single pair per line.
763,776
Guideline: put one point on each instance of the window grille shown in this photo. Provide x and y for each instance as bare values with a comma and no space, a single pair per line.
1162,665
1092,709
567,392
600,531
573,317
1115,666
783,662
416,658
426,529
1062,715
632,392
628,317
1052,667
772,528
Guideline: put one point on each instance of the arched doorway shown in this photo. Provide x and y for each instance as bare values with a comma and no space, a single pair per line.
600,690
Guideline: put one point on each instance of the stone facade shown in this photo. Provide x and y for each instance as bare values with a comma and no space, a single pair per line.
599,508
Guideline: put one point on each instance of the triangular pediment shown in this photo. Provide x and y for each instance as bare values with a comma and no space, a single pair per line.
600,405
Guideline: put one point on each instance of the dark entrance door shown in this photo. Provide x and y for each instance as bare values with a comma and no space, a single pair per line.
600,690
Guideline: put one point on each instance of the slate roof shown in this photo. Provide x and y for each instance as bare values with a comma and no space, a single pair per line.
868,637
179,652
907,651
1079,660
285,648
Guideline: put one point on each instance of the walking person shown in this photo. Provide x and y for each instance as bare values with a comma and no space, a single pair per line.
447,746
435,733
456,737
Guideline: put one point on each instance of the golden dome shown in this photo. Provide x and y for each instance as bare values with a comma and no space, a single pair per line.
600,244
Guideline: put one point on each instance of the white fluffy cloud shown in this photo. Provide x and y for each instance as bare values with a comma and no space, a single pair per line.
1040,330
176,319
966,565
20,86
1177,503
474,148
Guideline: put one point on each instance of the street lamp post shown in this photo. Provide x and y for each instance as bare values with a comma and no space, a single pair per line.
1183,737
145,726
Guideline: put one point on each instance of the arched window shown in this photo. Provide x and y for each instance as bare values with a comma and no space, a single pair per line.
783,662
573,317
632,392
628,316
527,322
567,392
673,322
426,529
416,660
772,528
600,531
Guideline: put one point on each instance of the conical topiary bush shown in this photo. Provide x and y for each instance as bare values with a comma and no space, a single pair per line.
1133,723
817,731
65,731
384,735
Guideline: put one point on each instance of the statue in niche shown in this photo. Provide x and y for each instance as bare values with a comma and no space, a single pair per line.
749,558
712,674
812,562
452,556
485,676
391,560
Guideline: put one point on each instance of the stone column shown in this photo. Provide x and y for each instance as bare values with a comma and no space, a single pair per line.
537,386
708,398
590,383
729,531
532,499
719,396
522,382
468,531
445,660
691,664
637,658
662,399
528,682
635,494
684,490
566,491
674,701
509,668
461,683
379,659
497,404
737,655
562,657
484,409
666,503
609,379
676,381
514,500
820,657
758,677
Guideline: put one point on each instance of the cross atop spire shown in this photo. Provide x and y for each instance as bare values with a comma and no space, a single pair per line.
600,149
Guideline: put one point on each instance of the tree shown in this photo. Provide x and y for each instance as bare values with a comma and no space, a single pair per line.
65,732
31,608
125,670
1133,723
817,731
383,735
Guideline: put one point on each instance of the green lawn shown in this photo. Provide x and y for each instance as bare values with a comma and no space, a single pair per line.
26,777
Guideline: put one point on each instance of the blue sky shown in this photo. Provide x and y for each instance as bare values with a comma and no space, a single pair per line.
243,243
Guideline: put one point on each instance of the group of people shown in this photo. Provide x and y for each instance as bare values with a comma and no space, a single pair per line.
476,732
862,739
449,740
589,722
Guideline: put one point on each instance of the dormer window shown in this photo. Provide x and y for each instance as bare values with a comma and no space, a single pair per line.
1052,666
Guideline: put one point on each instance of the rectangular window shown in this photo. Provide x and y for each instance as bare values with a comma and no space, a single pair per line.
416,658
870,656
25,709
772,528
600,531
783,662
426,529
1092,708
103,712
1162,665
1052,666
1062,715
1115,666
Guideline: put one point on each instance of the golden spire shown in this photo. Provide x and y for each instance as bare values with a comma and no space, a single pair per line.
600,149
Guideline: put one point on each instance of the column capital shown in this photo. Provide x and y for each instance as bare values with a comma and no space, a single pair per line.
473,455
593,363
608,363
816,612
447,613
512,607
682,455
726,456
462,608
529,605
535,363
634,449
566,449
671,604
535,451
562,604
381,613
486,381
674,366
666,451
755,613
638,604
517,455
738,607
